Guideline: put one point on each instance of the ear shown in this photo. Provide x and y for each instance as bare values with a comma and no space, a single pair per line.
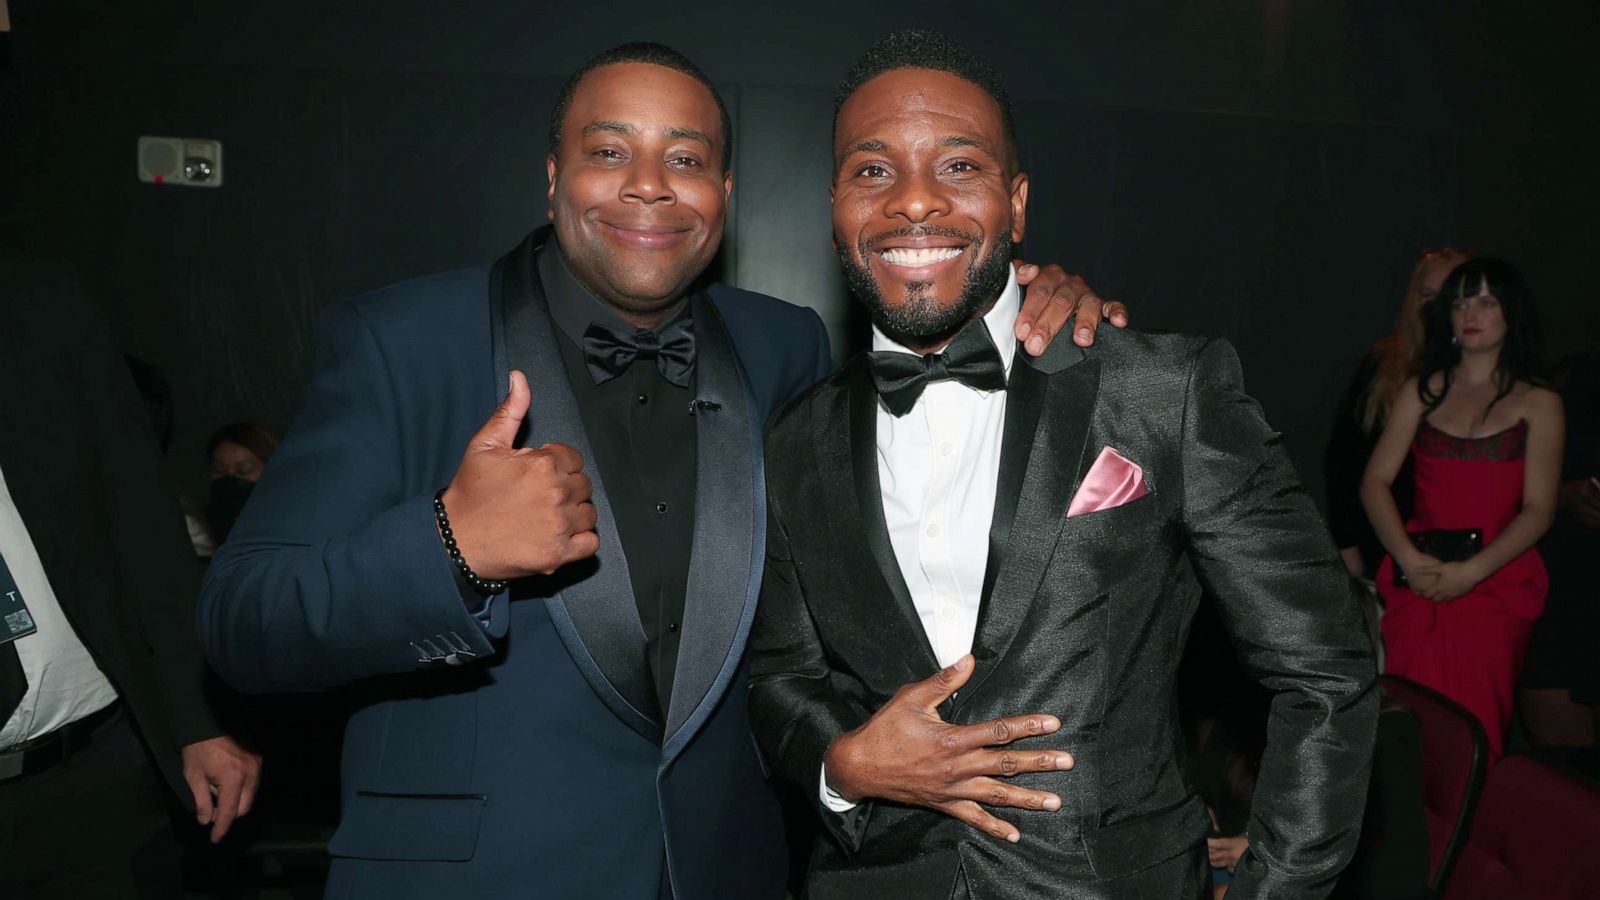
550,194
1019,206
727,187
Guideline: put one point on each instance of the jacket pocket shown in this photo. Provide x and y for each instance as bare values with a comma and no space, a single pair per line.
1127,847
433,827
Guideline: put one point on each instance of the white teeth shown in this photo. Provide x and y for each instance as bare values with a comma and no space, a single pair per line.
919,256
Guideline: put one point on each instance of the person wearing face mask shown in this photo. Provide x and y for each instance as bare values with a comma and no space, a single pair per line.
238,452
1463,584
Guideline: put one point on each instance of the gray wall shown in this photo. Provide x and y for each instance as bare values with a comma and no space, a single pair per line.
1260,170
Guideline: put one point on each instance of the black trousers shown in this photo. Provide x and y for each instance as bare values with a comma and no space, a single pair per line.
92,826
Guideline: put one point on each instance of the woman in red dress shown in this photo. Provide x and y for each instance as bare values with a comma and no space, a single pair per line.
1485,441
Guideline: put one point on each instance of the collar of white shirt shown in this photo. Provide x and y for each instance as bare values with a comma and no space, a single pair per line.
1001,320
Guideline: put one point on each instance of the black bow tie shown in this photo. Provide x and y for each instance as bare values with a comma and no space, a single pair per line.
970,359
609,354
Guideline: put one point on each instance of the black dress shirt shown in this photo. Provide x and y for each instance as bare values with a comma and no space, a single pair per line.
643,439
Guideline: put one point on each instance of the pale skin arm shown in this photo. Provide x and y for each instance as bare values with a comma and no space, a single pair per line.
1580,497
1352,560
1541,483
1377,494
223,777
1224,852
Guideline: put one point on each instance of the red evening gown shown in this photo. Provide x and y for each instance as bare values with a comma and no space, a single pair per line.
1470,648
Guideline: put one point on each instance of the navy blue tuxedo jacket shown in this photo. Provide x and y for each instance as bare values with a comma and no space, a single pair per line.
509,756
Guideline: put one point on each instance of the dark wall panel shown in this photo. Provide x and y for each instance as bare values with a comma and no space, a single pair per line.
1262,171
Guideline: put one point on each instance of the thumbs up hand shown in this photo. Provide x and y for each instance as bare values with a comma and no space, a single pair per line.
518,512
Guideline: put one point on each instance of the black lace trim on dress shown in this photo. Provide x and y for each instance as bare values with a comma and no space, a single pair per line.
1505,445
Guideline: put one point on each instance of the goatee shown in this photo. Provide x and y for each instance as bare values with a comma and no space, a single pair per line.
922,318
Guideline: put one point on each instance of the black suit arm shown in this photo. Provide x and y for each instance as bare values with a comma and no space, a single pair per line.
794,709
157,572
1261,550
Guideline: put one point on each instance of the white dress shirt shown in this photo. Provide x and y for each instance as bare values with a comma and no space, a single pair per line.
937,469
64,684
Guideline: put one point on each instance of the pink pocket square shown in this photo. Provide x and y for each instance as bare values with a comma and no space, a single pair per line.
1112,481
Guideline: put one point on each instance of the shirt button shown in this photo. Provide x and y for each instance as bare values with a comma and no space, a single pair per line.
642,399
947,611
946,448
933,530
661,507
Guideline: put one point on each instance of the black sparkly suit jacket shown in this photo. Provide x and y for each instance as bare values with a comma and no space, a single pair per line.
1084,617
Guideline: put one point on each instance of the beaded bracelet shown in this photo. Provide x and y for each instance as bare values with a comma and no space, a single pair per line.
483,586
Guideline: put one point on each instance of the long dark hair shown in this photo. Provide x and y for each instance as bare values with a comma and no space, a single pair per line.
1520,351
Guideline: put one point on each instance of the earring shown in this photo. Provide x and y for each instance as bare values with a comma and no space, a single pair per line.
1455,340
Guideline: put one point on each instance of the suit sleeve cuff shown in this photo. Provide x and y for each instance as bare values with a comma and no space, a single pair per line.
478,605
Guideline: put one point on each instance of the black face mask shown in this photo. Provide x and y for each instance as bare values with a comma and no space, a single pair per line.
228,495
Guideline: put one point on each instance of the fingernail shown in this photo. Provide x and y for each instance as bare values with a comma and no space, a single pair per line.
1023,330
964,663
1051,723
1083,334
1052,803
1036,345
1013,837
1064,761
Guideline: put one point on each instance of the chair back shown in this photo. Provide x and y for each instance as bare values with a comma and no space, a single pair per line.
1455,758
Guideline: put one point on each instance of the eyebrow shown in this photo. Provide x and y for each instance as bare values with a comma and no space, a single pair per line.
960,140
874,145
607,125
676,132
680,133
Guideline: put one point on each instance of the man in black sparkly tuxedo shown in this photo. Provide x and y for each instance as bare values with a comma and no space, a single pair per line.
981,566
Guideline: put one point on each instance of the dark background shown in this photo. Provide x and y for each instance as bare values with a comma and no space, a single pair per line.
1265,170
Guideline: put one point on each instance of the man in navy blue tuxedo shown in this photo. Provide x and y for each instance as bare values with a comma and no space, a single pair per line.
543,635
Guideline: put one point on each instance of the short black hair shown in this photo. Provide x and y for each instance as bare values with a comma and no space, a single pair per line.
655,55
926,49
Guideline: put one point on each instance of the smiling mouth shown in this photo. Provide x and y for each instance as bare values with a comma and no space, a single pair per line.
647,236
918,257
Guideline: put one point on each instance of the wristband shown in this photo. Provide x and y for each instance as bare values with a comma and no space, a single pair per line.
483,586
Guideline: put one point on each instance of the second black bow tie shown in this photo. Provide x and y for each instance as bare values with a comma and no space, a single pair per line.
971,358
608,353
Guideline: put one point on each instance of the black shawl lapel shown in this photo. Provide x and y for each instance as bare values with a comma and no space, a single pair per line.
862,495
729,526
1040,469
590,603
